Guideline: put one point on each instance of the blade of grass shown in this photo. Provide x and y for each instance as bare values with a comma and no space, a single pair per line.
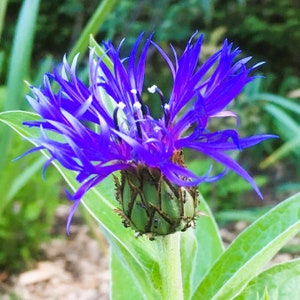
288,125
286,149
3,5
92,28
21,53
283,102
18,69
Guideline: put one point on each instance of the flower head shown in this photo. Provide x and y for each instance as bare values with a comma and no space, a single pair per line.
106,126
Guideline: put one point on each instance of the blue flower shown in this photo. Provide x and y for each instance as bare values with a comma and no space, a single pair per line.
106,126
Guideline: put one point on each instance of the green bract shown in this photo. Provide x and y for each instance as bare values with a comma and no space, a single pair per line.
151,204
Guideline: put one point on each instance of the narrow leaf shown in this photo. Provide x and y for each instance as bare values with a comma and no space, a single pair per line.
288,125
21,53
279,100
18,68
92,27
286,149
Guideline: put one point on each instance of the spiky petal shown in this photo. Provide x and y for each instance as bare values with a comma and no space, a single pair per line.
104,127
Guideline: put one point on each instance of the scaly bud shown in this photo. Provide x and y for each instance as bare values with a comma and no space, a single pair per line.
151,204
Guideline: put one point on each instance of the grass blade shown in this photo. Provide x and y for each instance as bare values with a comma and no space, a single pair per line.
92,27
21,54
3,5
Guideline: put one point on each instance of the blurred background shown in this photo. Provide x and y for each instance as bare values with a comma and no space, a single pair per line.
34,36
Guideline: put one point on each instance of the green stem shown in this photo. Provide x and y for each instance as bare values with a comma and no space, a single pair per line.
170,266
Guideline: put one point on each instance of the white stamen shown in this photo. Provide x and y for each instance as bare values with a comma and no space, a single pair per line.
167,106
152,89
137,105
156,129
134,91
121,105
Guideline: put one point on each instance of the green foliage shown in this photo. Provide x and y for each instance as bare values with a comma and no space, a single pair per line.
205,271
225,193
268,30
278,282
285,114
92,27
26,214
262,112
250,251
277,114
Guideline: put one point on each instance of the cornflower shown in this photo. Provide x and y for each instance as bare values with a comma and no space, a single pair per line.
106,126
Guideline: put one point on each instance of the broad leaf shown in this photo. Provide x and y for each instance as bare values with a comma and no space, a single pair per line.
280,281
100,203
122,282
250,251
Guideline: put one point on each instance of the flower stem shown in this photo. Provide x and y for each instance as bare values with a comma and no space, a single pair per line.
170,266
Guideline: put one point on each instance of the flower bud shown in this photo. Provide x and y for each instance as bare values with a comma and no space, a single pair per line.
151,204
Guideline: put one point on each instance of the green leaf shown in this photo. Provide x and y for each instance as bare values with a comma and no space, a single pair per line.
286,149
3,5
279,100
14,120
101,53
138,255
235,215
279,282
199,249
287,124
20,179
122,282
250,251
290,131
18,68
21,53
